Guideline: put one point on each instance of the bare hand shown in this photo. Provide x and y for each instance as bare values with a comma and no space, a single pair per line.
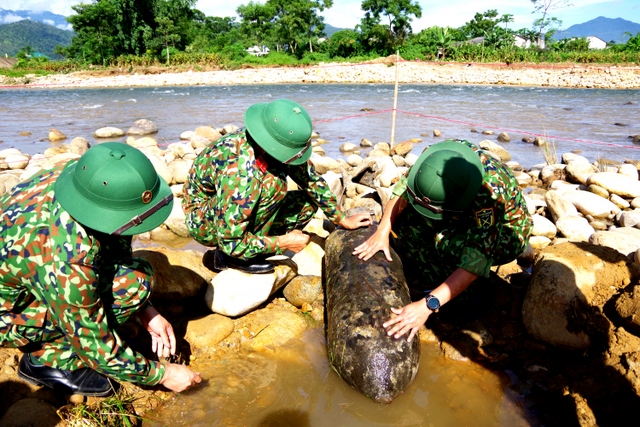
163,340
179,377
379,241
356,221
408,320
295,241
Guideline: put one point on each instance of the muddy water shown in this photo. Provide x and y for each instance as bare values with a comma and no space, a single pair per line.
295,386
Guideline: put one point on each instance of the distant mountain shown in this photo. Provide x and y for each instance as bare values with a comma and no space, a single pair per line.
58,21
329,30
605,28
41,37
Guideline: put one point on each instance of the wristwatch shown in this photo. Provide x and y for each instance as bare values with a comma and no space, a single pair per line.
433,303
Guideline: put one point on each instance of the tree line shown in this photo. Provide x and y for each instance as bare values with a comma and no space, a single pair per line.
139,32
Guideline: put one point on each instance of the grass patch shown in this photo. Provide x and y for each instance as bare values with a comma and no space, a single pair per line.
112,411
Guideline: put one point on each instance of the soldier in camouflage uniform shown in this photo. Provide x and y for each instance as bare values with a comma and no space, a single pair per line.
68,279
236,197
468,213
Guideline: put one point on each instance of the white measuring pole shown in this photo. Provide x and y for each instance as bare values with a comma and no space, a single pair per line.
395,103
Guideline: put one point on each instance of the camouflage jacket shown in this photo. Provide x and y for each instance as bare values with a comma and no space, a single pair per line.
231,197
492,229
50,268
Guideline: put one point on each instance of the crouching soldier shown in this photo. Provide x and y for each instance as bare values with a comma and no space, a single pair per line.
68,279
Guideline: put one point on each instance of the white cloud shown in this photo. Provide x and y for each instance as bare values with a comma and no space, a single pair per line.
9,18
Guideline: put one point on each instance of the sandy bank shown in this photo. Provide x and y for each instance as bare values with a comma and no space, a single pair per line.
381,71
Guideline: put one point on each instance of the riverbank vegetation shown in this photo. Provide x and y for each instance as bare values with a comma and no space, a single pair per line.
126,34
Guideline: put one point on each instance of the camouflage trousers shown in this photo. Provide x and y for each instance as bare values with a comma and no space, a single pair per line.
429,257
124,289
294,212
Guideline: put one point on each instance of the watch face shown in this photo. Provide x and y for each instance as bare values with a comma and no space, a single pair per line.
433,303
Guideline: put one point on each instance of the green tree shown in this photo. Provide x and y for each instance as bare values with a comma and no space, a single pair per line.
96,39
481,24
298,22
546,27
256,22
165,34
544,7
344,44
398,15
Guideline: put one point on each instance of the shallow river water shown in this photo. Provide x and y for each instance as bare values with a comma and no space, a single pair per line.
598,122
295,386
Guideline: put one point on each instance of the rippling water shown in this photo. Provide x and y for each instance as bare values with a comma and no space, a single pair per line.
598,122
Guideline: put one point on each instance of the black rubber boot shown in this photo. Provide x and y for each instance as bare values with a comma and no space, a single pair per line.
85,381
256,265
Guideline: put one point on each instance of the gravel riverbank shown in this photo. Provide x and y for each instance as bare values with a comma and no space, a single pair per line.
378,71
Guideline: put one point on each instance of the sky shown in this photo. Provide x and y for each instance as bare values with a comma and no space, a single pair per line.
451,13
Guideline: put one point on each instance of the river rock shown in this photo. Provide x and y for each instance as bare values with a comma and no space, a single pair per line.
504,137
17,161
570,284
323,164
54,150
142,127
591,204
628,218
403,148
628,170
491,146
619,201
543,227
178,275
347,147
539,242
108,132
550,173
273,326
234,293
176,219
579,171
596,189
320,151
56,135
208,331
303,289
524,179
625,240
181,150
7,182
309,260
568,158
366,143
410,159
354,160
211,134
558,206
620,184
179,169
160,166
79,145
574,228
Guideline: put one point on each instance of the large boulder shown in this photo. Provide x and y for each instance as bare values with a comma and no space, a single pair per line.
178,274
570,284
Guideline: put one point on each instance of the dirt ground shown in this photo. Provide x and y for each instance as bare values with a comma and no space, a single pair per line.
558,387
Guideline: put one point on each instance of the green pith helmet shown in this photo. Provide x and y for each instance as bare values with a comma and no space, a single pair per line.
282,128
445,179
114,188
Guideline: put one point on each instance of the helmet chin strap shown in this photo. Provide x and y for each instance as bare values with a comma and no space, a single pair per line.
137,220
298,155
